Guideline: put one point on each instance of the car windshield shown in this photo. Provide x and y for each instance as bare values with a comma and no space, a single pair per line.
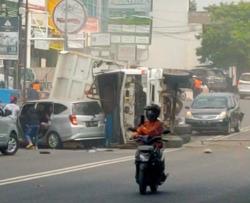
245,77
86,108
210,102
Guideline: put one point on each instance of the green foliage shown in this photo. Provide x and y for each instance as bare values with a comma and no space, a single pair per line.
226,40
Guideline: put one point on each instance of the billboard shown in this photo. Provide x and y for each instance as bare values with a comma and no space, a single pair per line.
9,38
130,20
91,25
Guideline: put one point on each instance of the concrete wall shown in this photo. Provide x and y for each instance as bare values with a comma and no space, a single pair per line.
173,40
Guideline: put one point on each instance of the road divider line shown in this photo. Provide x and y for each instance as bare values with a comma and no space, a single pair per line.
71,169
67,169
28,178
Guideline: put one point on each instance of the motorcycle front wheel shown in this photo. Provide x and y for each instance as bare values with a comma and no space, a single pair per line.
142,182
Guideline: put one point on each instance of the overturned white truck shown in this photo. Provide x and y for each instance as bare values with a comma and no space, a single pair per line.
124,94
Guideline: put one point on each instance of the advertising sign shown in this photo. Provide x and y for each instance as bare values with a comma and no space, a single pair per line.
9,38
100,39
131,17
76,16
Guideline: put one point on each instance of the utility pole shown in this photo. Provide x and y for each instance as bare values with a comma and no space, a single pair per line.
66,26
26,44
5,64
18,68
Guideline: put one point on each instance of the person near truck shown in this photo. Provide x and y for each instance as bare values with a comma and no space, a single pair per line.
197,86
31,124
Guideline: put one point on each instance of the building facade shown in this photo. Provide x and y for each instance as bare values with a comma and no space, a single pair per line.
174,40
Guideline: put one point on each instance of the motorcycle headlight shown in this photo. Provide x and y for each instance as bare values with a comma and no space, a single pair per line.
144,157
222,115
189,114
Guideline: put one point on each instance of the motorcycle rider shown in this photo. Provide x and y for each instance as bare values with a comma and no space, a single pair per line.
152,127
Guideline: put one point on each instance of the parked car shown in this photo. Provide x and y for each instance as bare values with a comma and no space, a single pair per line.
214,78
70,121
218,112
244,85
9,143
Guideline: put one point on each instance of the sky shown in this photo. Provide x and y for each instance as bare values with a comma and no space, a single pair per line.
205,3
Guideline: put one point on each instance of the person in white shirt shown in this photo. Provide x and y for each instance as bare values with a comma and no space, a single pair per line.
12,107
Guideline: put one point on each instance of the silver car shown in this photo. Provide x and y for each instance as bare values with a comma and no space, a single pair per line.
9,143
244,85
69,121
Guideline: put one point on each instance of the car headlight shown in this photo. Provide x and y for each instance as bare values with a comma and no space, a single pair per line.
189,114
222,115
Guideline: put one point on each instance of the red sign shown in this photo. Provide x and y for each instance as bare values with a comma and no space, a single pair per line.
92,25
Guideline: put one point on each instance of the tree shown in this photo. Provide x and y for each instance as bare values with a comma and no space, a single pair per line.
226,39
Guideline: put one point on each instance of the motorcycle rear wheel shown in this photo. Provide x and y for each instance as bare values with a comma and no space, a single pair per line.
153,188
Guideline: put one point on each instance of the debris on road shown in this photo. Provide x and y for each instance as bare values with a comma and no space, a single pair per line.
208,151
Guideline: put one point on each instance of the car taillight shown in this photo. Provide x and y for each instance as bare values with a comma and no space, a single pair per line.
73,119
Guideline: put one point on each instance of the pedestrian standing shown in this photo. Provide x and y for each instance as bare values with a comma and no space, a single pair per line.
32,94
31,128
197,86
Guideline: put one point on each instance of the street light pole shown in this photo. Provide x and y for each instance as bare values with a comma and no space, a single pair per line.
66,26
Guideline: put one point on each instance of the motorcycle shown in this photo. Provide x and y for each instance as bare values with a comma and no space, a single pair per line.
149,161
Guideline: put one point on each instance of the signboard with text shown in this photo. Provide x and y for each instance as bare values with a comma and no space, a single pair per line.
130,21
9,38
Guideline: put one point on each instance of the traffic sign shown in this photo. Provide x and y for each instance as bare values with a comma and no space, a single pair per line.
76,16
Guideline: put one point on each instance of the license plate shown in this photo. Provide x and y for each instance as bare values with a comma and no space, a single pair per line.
92,123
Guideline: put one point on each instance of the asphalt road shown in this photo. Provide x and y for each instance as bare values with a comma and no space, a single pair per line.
108,176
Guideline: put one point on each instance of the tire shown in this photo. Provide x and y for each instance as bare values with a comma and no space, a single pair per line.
54,141
13,145
142,182
238,127
153,188
228,128
183,129
186,138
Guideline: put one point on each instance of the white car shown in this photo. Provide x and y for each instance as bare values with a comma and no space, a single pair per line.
70,121
9,143
244,85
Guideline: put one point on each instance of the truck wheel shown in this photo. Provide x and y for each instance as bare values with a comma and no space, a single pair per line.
238,127
183,129
186,138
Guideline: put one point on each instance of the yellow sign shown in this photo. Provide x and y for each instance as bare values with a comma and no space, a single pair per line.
57,45
51,4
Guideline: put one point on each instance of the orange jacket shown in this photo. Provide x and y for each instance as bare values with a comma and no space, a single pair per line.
151,128
197,84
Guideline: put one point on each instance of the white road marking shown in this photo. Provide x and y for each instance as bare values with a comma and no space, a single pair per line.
71,169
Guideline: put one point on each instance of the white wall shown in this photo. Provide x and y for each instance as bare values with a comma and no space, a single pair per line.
173,45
